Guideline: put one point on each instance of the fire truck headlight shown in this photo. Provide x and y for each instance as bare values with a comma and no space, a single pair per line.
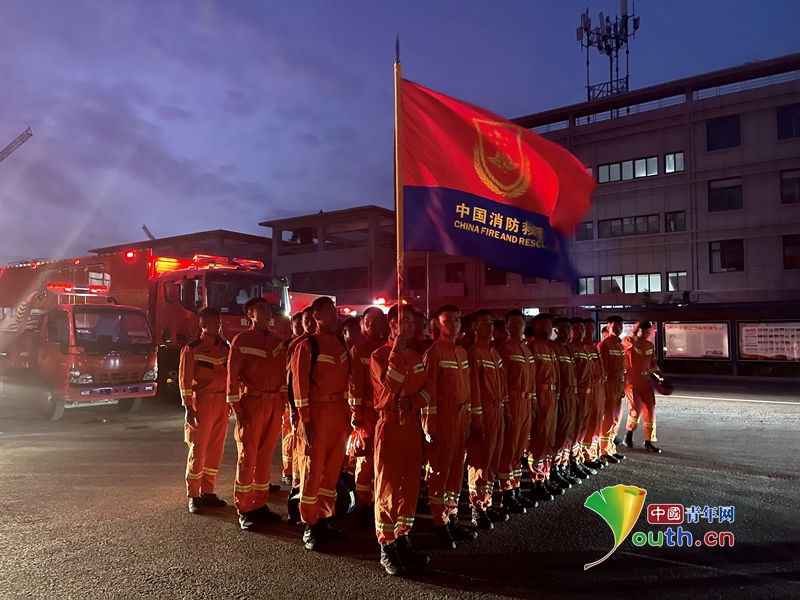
78,377
151,375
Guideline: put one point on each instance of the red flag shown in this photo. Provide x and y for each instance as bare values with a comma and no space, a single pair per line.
457,146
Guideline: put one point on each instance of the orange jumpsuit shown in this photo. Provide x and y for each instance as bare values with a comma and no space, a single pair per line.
612,355
543,426
593,432
287,437
398,437
321,399
583,374
567,404
257,381
520,372
488,388
362,408
202,377
447,365
640,362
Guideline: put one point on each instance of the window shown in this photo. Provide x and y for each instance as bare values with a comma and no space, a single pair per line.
586,286
790,187
641,168
58,327
626,284
322,282
627,170
611,284
722,133
612,228
602,174
455,273
675,221
613,172
585,231
527,279
341,236
169,292
791,252
725,194
299,241
415,278
649,282
494,276
652,166
673,162
676,281
727,255
788,121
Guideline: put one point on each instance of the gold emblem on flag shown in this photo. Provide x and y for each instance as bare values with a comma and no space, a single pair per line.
499,160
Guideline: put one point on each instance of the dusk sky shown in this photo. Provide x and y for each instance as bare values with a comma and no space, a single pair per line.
190,115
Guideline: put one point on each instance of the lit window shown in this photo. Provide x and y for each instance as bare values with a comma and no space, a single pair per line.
676,281
611,284
602,174
652,166
673,162
627,170
613,172
630,284
586,286
640,168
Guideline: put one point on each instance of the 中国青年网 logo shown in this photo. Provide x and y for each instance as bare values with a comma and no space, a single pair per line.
621,505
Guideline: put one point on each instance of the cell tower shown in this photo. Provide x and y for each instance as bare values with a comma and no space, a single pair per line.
609,38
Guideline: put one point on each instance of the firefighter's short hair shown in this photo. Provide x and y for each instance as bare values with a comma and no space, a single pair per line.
447,308
577,321
561,320
321,302
615,319
393,311
542,317
209,312
298,316
514,312
252,302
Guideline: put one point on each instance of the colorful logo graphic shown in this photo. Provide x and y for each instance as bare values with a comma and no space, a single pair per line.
620,507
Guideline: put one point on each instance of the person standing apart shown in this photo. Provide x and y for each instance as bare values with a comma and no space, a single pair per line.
640,364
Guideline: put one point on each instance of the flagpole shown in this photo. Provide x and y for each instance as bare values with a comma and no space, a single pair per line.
398,173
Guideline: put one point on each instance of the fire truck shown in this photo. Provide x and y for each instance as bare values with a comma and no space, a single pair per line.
171,291
70,346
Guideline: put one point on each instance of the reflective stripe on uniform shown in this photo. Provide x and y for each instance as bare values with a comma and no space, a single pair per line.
419,368
398,377
301,402
327,493
326,358
354,401
365,361
253,351
233,398
214,361
448,364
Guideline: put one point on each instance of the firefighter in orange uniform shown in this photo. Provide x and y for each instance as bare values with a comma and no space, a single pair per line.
361,405
287,438
567,407
403,400
447,365
485,441
545,419
202,376
612,355
640,363
320,375
257,394
584,376
591,441
520,372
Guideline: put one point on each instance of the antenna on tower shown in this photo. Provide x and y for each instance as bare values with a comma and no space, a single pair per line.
609,38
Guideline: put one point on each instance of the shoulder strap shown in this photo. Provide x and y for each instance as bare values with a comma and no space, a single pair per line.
314,356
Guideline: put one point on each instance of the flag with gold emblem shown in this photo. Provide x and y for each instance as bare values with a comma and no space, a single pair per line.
478,185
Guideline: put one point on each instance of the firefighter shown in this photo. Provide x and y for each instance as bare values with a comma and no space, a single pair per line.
485,441
545,419
404,398
591,441
612,355
447,365
567,407
320,376
520,371
287,438
585,379
202,377
466,338
499,334
258,396
640,364
351,330
362,408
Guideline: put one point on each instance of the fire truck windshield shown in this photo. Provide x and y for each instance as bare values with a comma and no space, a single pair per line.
228,291
111,326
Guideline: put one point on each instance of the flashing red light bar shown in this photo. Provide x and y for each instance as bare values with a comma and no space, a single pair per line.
250,264
130,254
64,288
68,288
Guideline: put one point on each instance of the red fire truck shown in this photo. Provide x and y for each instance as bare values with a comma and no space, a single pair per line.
170,290
71,346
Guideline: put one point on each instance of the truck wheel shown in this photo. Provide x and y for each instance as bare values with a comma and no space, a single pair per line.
51,407
129,404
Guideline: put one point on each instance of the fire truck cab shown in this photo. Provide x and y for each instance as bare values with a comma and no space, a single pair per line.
73,346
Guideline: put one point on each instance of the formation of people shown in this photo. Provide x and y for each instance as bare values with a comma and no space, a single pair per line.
438,399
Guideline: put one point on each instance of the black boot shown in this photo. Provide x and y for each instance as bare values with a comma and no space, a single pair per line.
274,487
556,478
569,476
329,532
610,459
511,505
265,515
247,521
619,456
552,488
390,559
496,516
366,517
409,556
310,537
524,501
213,501
628,443
458,532
445,537
196,506
540,492
650,447
481,520
595,465
585,469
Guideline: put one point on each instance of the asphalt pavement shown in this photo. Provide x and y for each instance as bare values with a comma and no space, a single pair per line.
93,506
